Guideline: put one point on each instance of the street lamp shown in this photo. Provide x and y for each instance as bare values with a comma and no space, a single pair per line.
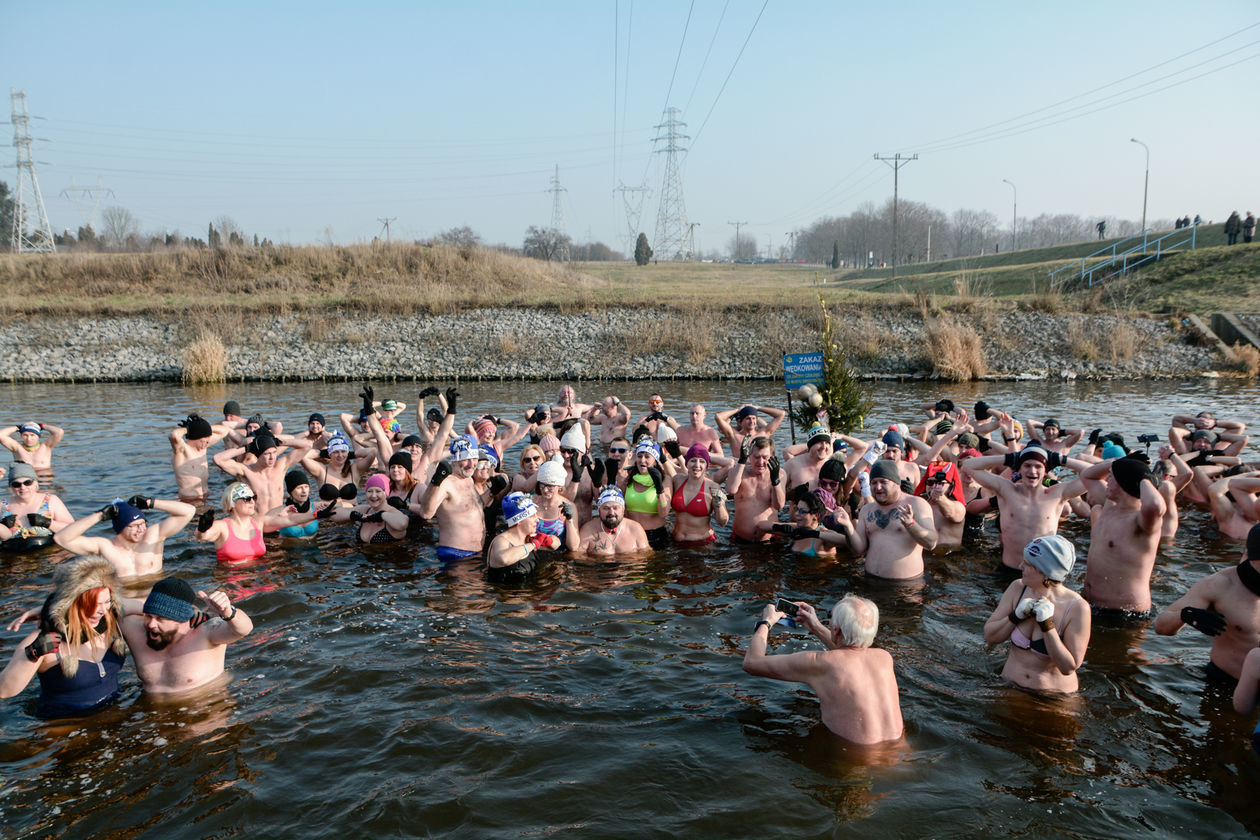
1014,205
1147,181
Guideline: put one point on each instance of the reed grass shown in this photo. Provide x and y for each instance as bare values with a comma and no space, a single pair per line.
955,350
204,361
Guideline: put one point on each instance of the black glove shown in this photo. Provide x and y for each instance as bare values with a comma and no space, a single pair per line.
782,528
1093,437
982,410
141,502
611,469
536,417
44,644
368,395
774,467
656,415
568,511
265,428
984,444
1054,460
658,478
744,449
907,486
832,524
323,453
1205,621
9,521
188,421
326,512
799,533
110,511
440,472
451,394
1009,459
348,491
499,483
205,521
375,516
492,419
397,503
596,469
429,391
355,516
575,465
672,447
38,520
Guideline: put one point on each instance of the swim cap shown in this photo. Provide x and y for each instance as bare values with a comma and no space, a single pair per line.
29,427
486,452
232,407
552,473
198,428
294,479
1129,473
517,507
126,515
241,490
464,448
968,440
886,470
833,470
377,480
610,494
316,418
549,443
574,439
412,440
1034,452
402,459
893,438
816,434
337,443
1051,555
484,425
171,598
699,450
393,405
23,470
1112,450
649,446
434,415
664,433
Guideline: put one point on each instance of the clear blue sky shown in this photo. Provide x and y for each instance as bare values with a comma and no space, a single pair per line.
308,121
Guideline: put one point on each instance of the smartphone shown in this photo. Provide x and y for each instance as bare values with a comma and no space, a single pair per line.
786,606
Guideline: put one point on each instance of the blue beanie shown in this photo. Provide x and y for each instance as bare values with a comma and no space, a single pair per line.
892,437
126,515
171,598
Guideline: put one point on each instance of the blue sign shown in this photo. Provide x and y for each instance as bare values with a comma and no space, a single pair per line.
802,369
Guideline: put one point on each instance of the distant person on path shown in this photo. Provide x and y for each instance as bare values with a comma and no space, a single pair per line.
1248,227
1233,225
855,683
1102,229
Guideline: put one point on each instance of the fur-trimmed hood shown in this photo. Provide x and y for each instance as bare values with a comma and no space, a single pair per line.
71,579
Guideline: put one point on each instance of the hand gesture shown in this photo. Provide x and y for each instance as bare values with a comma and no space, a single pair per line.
218,601
1024,608
906,514
1043,609
17,623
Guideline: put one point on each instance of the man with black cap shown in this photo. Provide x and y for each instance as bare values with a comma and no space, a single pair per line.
177,647
27,448
1052,436
1226,606
316,431
135,549
891,532
189,442
738,423
266,474
1124,537
1029,507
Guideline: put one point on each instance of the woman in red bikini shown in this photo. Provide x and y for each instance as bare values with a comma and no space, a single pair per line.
697,501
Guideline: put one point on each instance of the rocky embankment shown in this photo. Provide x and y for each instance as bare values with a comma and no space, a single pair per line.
608,344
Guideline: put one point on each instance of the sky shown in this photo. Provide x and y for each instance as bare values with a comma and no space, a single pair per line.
312,122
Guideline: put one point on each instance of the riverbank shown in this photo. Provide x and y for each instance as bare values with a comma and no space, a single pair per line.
611,343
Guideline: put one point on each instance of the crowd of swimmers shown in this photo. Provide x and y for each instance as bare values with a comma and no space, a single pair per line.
597,480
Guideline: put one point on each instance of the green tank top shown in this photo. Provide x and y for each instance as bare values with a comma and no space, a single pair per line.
641,495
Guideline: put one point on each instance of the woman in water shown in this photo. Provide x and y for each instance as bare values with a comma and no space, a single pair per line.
531,460
556,514
805,536
340,470
1047,624
643,483
29,518
78,648
379,523
297,487
238,537
697,500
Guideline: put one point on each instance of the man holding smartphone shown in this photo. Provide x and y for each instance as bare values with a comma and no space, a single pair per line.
855,683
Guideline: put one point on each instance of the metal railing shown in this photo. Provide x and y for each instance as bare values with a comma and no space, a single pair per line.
1123,256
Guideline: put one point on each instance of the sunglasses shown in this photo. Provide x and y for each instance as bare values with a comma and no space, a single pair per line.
532,459
937,481
566,451
246,498
24,482
618,451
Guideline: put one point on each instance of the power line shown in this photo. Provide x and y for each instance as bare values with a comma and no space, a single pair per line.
678,58
731,73
707,53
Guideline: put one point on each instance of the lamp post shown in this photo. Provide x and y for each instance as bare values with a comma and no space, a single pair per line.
1146,182
1014,206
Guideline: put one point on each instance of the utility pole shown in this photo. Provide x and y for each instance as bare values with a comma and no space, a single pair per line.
385,226
557,212
691,235
791,235
737,226
78,194
39,240
896,162
634,209
1014,209
671,216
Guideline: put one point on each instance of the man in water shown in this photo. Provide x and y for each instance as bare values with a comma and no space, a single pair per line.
755,485
802,471
892,531
27,448
317,431
737,423
1124,537
1226,606
855,683
189,442
266,474
612,416
567,405
135,549
612,533
454,500
177,647
697,431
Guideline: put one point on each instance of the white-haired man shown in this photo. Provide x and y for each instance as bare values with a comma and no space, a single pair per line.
855,683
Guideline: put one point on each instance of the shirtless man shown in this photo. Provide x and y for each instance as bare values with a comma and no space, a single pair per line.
232,415
612,416
855,683
802,471
1123,538
27,448
697,431
1232,499
891,531
1226,606
739,422
1029,509
567,405
942,490
754,483
266,474
1052,436
612,533
135,549
1185,433
317,431
189,442
454,500
656,416
176,647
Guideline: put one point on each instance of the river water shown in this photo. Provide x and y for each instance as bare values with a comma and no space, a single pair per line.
381,694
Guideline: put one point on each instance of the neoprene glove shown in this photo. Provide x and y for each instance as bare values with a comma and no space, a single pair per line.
44,644
774,468
1205,621
744,448
110,511
429,391
326,512
141,502
672,447
799,533
658,478
596,470
205,521
368,395
451,395
440,472
499,483
782,528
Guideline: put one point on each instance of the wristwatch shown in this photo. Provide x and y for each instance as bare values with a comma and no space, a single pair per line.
760,622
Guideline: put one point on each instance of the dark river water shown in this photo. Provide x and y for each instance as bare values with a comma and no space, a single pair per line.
383,695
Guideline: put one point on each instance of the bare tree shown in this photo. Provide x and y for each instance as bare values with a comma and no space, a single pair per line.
546,243
460,237
118,226
974,232
230,233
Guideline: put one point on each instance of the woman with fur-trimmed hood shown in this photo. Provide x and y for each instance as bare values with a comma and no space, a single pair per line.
78,648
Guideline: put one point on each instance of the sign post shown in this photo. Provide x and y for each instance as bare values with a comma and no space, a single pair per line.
800,369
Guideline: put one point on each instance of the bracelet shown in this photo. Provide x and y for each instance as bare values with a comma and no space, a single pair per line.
229,618
760,623
1009,440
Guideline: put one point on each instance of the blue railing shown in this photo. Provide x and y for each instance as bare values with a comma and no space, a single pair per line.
1123,256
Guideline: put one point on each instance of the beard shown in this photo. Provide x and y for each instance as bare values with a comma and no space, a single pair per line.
159,641
611,520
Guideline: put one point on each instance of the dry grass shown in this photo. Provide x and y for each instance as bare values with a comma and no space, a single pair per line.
1048,302
1124,342
954,350
204,361
1081,343
1246,360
